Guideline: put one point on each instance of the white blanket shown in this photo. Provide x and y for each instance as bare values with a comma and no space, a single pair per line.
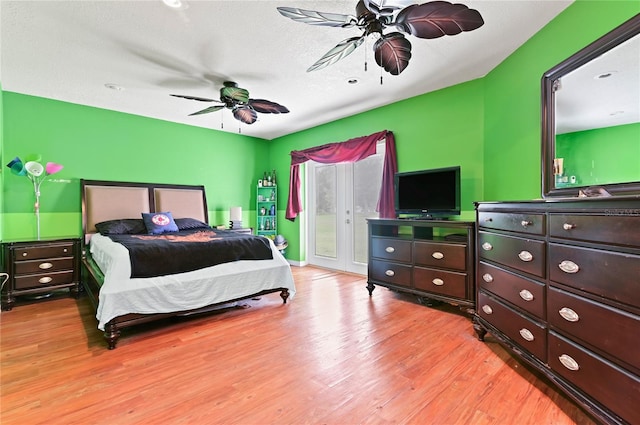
121,295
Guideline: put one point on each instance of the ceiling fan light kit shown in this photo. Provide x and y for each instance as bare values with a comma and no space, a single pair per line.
392,51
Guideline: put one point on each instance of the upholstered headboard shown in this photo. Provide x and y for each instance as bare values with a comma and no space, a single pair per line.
109,200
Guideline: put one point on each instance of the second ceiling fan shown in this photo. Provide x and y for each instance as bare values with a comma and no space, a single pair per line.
392,50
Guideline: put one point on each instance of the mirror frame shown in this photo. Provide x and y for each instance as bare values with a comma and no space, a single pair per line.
619,35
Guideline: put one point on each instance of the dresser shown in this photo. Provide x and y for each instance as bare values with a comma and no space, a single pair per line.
558,283
429,258
37,268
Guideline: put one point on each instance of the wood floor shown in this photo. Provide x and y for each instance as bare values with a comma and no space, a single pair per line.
332,355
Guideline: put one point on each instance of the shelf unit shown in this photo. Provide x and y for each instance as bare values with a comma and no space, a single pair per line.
266,210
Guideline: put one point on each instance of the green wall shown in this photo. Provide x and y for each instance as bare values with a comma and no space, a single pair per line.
614,150
99,144
490,127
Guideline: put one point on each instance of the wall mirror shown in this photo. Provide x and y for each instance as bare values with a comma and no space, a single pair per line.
591,118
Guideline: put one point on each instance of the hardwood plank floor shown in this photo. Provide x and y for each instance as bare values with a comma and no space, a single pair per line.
332,355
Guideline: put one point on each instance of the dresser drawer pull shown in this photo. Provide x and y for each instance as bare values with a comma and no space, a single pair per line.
568,226
526,295
438,282
24,254
526,334
65,250
390,249
438,255
487,277
45,280
488,219
45,266
487,246
525,256
390,273
568,266
568,314
487,309
568,362
526,223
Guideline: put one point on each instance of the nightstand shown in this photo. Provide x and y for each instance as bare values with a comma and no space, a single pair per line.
38,267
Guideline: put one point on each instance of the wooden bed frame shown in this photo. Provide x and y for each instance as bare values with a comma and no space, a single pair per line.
109,200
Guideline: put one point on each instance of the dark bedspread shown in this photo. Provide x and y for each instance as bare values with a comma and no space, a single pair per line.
188,250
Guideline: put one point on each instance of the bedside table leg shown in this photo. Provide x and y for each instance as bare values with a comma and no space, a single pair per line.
8,302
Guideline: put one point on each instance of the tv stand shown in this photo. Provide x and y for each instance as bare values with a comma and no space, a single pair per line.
431,258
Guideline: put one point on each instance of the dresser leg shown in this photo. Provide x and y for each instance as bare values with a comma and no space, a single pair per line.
480,330
7,303
370,288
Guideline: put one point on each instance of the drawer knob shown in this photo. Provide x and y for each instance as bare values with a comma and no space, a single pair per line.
568,226
24,254
390,249
568,362
487,246
45,266
526,223
569,266
525,256
65,250
487,309
487,277
438,282
568,314
488,219
438,255
45,280
526,334
526,295
390,273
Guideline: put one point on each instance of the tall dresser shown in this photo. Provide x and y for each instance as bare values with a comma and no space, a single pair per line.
558,283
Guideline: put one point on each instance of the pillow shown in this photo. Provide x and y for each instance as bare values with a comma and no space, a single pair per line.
190,223
160,222
124,226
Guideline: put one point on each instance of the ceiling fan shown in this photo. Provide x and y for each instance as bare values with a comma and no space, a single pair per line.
237,99
392,51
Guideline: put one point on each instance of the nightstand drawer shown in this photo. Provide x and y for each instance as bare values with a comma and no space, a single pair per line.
50,251
44,266
43,280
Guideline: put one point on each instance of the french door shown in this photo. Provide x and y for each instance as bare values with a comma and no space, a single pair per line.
340,199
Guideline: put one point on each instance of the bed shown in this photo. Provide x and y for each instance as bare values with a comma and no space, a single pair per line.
125,293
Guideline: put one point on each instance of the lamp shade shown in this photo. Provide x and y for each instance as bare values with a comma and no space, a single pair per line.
34,168
53,168
17,167
235,213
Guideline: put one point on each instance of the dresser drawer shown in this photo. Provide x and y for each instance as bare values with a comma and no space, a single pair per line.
394,273
44,266
449,256
606,328
43,280
391,249
514,222
522,254
608,274
529,335
440,281
45,251
527,294
611,386
613,229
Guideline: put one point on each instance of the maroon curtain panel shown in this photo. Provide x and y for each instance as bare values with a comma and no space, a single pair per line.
350,151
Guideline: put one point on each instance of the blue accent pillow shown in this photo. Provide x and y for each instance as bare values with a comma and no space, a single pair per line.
159,222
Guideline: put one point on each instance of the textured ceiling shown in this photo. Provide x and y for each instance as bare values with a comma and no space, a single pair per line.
69,50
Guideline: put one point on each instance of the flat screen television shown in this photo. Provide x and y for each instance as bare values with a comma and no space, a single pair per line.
433,193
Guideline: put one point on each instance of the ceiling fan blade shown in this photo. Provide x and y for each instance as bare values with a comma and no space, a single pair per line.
392,52
201,99
235,94
437,18
267,106
312,17
342,50
208,110
245,114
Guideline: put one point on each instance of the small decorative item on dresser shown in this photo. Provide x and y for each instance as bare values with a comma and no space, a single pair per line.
35,172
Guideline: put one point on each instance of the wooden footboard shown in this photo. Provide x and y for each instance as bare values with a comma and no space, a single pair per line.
92,281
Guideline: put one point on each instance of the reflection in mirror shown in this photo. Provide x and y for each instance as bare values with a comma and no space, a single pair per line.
591,117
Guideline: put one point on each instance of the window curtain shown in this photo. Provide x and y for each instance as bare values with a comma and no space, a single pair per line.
350,151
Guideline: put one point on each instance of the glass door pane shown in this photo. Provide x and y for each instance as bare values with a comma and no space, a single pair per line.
326,203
